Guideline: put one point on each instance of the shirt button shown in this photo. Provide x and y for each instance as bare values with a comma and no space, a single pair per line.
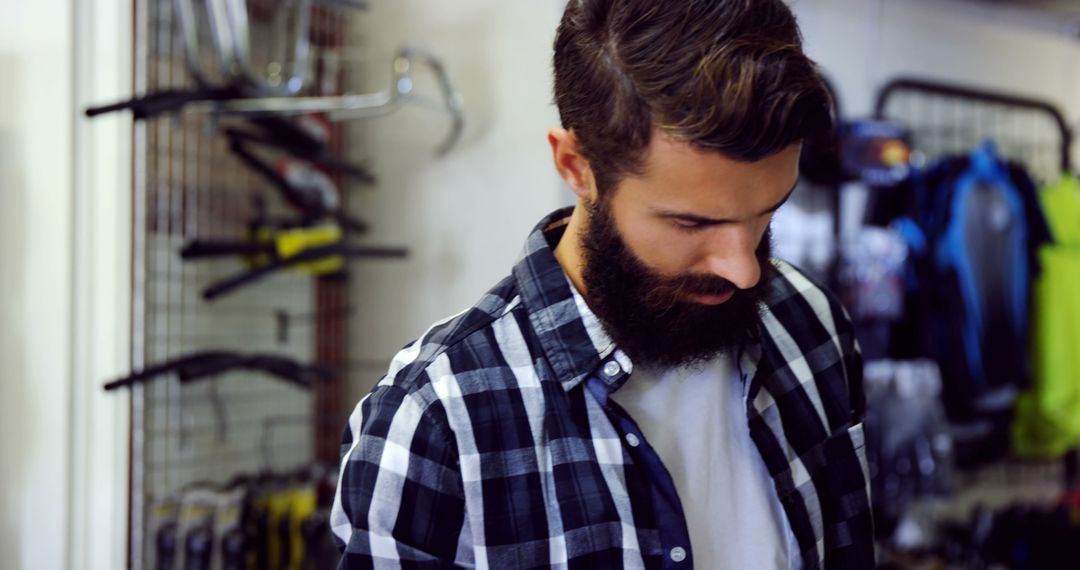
632,440
678,554
612,369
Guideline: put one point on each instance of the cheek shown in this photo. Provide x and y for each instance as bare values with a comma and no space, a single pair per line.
666,250
656,243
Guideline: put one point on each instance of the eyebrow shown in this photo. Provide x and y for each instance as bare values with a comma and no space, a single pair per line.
714,221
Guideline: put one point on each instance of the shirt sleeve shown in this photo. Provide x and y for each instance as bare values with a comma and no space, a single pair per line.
399,501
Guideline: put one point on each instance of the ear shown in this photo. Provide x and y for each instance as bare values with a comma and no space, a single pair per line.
572,166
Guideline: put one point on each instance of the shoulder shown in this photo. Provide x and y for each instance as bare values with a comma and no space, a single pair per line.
465,353
803,307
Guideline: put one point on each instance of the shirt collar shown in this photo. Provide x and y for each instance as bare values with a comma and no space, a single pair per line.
572,337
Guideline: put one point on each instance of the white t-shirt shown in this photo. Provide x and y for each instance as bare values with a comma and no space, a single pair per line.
695,419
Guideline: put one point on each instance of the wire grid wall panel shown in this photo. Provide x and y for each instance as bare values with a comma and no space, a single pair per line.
946,124
188,186
197,190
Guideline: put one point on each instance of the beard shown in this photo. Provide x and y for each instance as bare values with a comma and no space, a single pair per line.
648,315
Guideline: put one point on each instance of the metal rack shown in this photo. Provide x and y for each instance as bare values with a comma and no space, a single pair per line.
187,185
952,119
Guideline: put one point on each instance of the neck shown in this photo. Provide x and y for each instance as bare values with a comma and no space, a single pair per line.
568,253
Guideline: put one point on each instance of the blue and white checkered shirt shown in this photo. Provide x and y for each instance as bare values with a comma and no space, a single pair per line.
491,441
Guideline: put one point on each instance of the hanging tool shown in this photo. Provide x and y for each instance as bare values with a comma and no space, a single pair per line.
357,106
320,250
204,364
168,101
300,178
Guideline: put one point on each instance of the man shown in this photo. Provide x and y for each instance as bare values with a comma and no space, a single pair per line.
647,389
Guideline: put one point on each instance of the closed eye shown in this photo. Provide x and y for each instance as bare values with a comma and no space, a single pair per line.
692,223
688,226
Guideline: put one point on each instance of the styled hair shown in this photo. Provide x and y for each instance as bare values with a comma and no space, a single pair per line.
723,75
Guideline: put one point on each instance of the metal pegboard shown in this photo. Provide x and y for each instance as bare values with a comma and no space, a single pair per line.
188,186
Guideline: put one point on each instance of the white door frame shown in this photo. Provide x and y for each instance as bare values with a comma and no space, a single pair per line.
101,297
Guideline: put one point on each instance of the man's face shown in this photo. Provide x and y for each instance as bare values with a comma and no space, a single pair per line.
674,258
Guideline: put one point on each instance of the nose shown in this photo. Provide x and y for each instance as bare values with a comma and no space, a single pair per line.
735,259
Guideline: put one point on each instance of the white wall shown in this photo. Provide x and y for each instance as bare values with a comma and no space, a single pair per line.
35,301
63,284
465,216
863,43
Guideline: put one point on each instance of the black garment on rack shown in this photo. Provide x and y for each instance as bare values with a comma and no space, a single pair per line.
938,302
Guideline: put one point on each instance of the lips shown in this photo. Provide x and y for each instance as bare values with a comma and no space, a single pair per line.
714,299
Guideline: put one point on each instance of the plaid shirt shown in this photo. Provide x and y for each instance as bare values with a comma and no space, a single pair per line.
491,442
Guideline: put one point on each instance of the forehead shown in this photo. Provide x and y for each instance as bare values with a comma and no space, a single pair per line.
677,175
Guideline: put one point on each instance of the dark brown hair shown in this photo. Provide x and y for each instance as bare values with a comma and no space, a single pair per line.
726,75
